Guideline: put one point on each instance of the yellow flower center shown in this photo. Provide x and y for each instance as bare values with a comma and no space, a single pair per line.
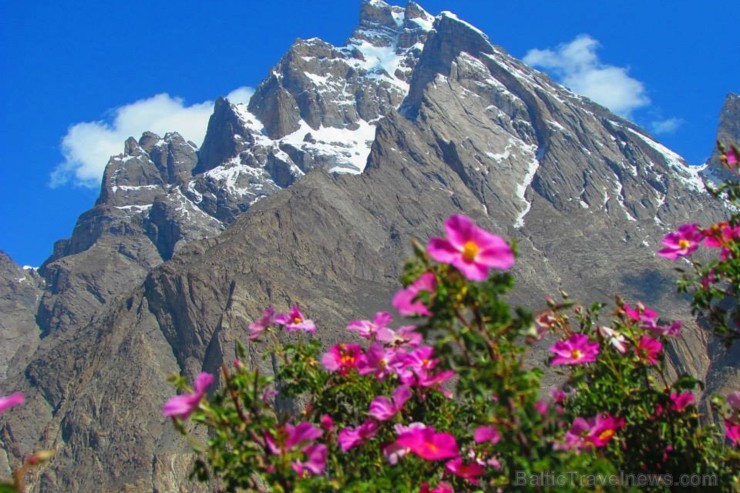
297,319
606,434
470,250
576,354
684,244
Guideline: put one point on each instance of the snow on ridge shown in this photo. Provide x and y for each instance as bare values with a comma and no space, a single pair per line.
127,188
426,23
135,208
398,16
619,191
521,189
185,205
349,147
688,175
451,15
380,59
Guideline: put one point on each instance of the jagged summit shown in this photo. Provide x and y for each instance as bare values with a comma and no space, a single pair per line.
728,132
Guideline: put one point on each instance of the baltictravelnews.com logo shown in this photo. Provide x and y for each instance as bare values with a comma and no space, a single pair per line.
640,480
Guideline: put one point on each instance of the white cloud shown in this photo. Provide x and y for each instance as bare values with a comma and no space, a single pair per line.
576,65
667,126
87,146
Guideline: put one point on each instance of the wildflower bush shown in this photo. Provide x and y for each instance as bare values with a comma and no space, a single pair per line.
452,402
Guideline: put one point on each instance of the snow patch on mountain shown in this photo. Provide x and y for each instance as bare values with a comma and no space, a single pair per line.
688,175
521,189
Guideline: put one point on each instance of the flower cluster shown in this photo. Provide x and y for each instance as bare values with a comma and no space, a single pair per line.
298,443
449,403
713,283
686,240
291,321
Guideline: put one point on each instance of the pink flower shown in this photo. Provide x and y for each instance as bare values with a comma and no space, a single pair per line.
558,395
436,380
469,471
442,487
648,349
604,429
428,444
295,321
256,328
404,336
667,330
12,400
681,243
614,338
342,358
730,157
289,437
648,320
405,300
721,235
679,402
394,452
383,409
349,438
716,235
302,432
543,323
486,434
421,360
182,406
541,408
327,423
647,317
379,361
732,430
315,463
367,329
473,251
596,432
575,351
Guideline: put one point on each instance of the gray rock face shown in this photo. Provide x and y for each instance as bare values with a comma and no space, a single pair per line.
20,292
728,133
341,157
140,218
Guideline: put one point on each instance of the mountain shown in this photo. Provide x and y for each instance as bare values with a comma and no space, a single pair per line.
311,193
20,292
727,133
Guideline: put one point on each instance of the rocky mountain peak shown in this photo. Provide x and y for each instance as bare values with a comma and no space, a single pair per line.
148,140
379,23
450,37
225,138
728,132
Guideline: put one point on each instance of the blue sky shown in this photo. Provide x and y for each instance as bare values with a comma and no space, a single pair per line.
78,76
